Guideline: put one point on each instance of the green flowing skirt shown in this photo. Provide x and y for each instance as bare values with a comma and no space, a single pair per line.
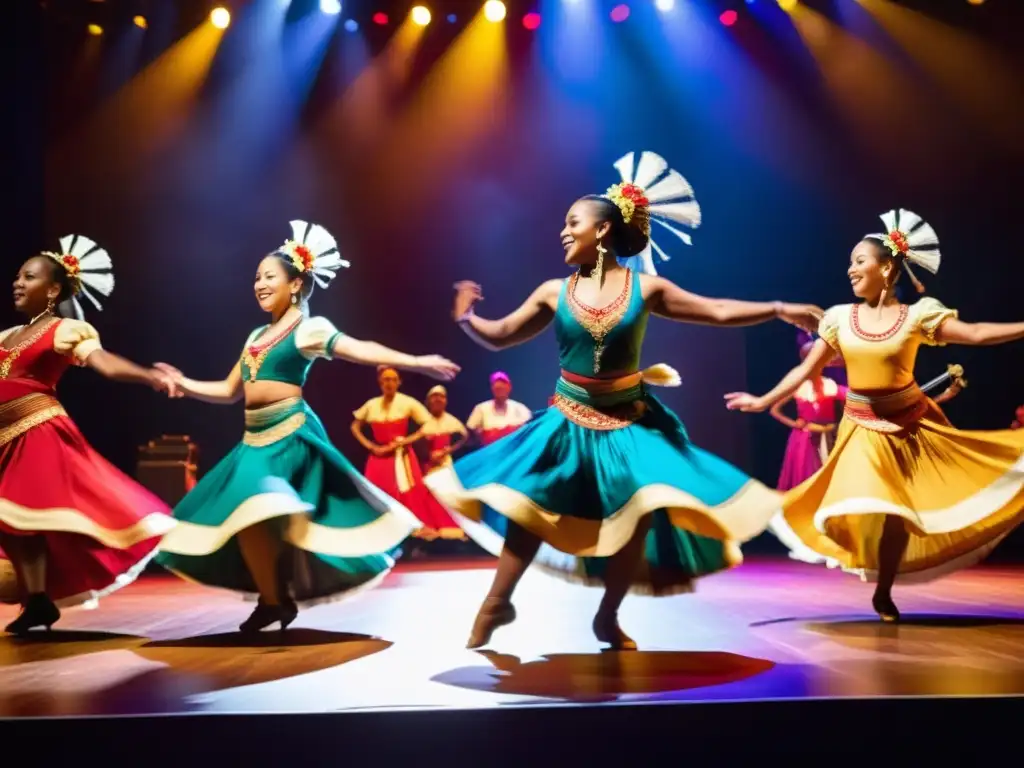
336,528
582,479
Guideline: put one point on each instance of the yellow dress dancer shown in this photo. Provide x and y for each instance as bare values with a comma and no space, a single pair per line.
903,494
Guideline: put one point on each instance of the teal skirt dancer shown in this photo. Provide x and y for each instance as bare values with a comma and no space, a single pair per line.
286,472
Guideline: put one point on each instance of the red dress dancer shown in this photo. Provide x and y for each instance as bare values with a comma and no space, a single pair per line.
493,419
392,466
439,431
73,528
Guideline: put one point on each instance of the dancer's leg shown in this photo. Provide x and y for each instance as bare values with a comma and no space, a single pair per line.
261,549
618,578
891,547
28,554
516,555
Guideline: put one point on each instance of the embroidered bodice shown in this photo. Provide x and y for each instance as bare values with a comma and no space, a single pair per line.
592,341
885,360
819,407
288,354
47,353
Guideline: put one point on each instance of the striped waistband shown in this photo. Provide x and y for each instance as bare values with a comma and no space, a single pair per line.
600,393
886,411
23,413
270,423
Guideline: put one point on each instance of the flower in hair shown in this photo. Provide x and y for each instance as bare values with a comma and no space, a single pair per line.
896,241
627,198
302,257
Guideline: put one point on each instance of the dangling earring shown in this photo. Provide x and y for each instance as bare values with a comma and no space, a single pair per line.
598,272
49,305
295,299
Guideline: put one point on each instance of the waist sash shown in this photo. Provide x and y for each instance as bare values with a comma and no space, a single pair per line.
886,411
265,426
610,403
23,413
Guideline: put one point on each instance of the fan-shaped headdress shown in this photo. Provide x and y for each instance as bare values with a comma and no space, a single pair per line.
87,266
314,250
911,239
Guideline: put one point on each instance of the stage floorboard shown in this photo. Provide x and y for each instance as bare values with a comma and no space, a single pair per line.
768,630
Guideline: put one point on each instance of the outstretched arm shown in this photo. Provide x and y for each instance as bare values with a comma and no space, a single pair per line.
117,368
372,353
954,331
668,300
812,365
224,392
532,317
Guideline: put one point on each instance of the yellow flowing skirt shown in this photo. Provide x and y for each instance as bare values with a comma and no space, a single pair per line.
959,492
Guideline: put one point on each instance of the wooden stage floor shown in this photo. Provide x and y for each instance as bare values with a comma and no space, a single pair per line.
771,629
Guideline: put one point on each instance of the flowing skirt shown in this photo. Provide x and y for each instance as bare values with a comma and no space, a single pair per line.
582,480
337,526
100,526
805,453
959,493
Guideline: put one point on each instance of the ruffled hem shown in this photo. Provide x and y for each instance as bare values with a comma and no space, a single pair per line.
742,517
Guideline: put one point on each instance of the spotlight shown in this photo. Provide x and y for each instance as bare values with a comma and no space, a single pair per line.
728,18
380,18
494,10
420,15
351,25
332,7
786,5
452,18
95,29
975,2
665,5
140,22
620,13
220,18
531,20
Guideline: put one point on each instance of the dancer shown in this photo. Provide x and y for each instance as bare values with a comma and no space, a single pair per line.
493,419
607,476
285,514
440,429
903,494
392,466
73,527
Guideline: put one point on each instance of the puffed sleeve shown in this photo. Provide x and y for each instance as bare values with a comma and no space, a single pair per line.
77,338
418,412
931,314
454,425
315,338
828,327
476,418
362,413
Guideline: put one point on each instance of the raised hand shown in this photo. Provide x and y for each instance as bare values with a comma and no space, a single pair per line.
806,316
467,294
742,401
437,367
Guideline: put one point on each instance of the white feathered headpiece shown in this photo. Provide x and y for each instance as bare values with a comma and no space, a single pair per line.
910,236
88,267
653,192
313,249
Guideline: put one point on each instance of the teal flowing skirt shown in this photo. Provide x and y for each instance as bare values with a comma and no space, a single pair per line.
335,527
582,479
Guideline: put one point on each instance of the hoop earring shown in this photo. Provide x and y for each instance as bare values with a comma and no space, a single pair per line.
598,271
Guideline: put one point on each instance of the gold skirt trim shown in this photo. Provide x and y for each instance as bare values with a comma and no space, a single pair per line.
27,412
587,416
739,519
275,434
66,520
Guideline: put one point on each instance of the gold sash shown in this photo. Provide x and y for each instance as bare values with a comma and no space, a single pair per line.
23,413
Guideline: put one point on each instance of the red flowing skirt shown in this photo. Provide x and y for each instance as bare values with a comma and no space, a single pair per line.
381,471
100,526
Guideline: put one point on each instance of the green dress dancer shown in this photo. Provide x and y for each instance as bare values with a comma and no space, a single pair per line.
284,514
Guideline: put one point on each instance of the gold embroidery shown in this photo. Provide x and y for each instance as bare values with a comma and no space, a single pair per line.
255,354
13,354
25,413
587,416
270,436
599,322
893,412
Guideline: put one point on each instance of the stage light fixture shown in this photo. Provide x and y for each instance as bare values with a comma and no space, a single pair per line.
665,5
494,10
351,25
220,17
975,2
620,13
95,29
420,15
728,17
380,18
787,5
332,7
140,22
531,21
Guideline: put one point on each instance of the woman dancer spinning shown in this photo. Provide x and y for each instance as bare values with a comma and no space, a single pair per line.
73,526
903,494
285,484
606,476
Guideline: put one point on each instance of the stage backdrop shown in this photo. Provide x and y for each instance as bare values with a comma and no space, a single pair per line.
454,152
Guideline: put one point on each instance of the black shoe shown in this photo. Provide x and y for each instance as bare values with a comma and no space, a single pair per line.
39,611
265,615
885,608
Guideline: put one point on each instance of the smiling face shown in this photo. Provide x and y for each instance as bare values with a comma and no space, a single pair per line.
869,270
273,287
389,381
34,286
584,226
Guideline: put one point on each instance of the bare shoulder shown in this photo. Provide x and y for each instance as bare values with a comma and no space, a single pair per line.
653,284
548,292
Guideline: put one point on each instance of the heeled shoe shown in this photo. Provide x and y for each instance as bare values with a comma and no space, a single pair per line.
885,608
494,613
607,630
39,611
265,614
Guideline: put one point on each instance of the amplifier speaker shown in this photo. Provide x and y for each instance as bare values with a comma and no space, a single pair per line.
167,467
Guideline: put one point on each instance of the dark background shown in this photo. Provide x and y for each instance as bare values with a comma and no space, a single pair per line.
796,132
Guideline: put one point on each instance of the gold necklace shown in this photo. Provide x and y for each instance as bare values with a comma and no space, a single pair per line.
13,354
256,354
